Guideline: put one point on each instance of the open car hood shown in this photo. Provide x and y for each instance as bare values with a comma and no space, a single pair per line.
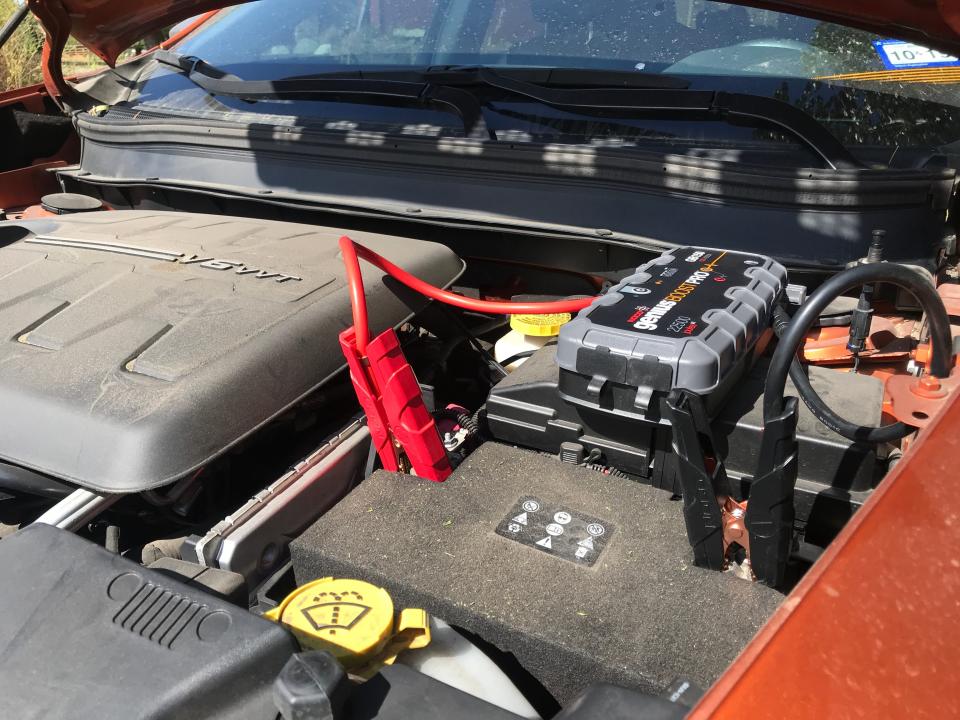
108,27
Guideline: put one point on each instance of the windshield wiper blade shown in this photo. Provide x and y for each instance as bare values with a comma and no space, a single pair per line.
217,82
724,106
442,87
559,77
551,77
624,91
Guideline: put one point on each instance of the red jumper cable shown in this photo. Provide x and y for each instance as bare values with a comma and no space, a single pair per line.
404,434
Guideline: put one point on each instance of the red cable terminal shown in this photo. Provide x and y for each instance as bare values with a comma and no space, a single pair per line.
401,427
370,401
403,431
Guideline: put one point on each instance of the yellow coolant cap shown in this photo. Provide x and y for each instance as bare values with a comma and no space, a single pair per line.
351,619
539,325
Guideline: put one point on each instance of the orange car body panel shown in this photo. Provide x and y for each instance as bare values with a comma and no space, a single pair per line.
108,27
873,629
22,187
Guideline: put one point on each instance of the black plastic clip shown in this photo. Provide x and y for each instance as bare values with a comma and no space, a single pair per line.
702,480
770,511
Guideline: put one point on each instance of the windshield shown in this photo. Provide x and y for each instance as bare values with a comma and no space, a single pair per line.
661,35
866,90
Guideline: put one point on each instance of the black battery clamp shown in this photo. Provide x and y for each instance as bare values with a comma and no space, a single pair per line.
769,516
665,347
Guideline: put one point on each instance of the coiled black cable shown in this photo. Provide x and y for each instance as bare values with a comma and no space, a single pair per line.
819,408
792,333
469,423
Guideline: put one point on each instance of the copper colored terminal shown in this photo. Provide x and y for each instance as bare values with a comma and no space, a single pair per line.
928,386
734,529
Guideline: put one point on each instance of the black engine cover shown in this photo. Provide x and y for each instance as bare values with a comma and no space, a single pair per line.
136,346
88,634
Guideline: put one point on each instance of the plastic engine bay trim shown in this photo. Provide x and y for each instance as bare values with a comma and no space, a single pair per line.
140,345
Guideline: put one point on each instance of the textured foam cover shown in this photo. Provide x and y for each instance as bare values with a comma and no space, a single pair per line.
640,617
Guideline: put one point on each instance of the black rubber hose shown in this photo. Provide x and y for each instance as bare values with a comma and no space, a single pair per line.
518,356
820,410
26,482
785,355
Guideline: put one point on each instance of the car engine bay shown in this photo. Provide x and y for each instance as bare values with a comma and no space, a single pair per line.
308,470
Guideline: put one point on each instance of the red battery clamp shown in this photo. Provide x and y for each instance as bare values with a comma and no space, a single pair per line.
404,433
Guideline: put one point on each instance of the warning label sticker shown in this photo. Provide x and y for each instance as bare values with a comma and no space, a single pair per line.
556,529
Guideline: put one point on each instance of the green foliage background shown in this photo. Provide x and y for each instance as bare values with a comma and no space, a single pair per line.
20,57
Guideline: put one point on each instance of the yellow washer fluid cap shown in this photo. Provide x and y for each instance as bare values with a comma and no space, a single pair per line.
539,325
351,619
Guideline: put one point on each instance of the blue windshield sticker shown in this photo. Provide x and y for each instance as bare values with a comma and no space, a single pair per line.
900,55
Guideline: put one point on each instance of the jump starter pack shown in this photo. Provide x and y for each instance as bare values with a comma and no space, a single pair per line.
555,541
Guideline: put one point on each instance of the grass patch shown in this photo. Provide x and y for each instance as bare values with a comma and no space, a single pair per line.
20,57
